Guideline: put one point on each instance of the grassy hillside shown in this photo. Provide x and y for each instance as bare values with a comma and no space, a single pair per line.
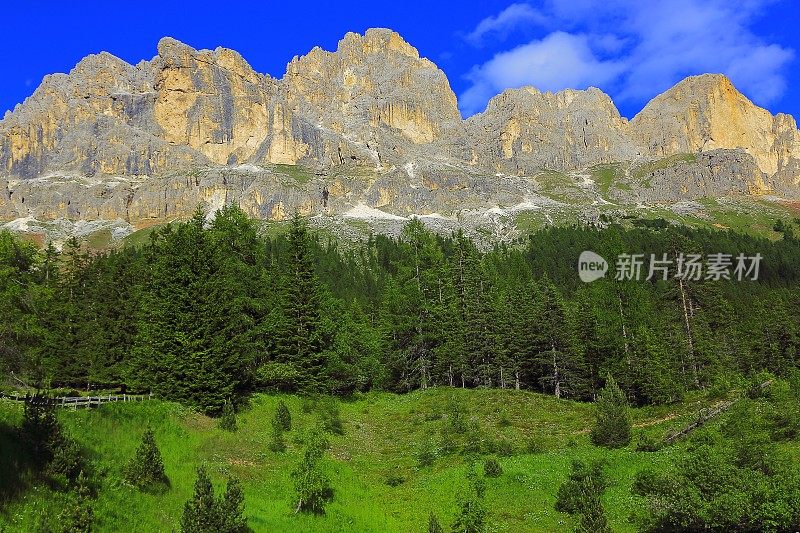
536,437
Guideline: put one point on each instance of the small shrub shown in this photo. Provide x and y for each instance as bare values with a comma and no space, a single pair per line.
433,524
311,485
504,448
456,417
473,439
78,515
277,443
504,421
492,468
282,417
330,417
227,421
535,445
584,478
426,455
647,443
394,480
145,471
612,427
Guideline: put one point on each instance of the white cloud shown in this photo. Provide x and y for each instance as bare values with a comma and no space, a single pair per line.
559,60
634,50
511,17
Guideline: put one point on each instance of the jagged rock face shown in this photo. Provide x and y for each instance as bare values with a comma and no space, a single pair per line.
376,92
523,130
706,112
372,122
712,174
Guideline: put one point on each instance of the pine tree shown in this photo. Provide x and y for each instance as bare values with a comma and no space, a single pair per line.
200,514
612,427
231,509
277,443
78,515
283,418
206,514
471,516
433,524
593,516
227,421
145,471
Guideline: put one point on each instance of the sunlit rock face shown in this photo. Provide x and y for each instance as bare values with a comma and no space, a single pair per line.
372,123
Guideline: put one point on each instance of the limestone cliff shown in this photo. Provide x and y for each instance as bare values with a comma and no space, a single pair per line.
372,123
706,112
524,130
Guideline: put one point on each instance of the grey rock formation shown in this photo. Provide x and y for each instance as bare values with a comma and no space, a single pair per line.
371,125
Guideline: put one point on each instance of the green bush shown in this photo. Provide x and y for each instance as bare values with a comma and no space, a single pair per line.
227,421
145,471
282,417
612,427
492,468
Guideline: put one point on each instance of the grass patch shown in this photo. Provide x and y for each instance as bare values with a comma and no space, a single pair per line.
300,174
667,162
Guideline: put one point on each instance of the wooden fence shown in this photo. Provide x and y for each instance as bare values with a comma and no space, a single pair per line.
81,402
705,415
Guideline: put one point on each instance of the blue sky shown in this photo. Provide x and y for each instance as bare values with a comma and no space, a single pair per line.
632,49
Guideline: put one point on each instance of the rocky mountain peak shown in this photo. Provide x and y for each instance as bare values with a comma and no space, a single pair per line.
707,112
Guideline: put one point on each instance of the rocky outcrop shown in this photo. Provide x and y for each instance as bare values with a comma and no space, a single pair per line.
370,123
704,113
524,130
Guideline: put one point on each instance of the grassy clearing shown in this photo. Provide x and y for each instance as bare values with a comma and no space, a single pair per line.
298,173
607,176
648,168
561,187
383,433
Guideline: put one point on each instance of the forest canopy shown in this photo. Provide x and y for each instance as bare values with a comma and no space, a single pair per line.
209,311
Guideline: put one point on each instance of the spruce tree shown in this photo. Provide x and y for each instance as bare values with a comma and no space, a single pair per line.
298,341
78,515
612,427
200,514
471,515
206,514
277,443
593,516
145,470
227,421
283,418
231,509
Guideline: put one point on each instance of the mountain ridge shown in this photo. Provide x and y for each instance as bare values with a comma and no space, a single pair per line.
370,123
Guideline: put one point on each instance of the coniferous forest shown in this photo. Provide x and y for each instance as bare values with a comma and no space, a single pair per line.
217,315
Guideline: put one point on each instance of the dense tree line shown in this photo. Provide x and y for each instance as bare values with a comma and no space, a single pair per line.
210,310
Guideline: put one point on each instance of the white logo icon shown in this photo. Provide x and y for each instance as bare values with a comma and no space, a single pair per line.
591,266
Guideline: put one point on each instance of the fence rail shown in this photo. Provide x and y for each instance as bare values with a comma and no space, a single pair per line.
80,402
705,415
